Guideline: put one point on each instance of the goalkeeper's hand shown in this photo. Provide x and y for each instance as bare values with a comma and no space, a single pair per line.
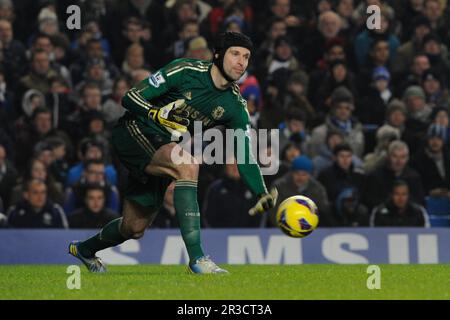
170,116
265,202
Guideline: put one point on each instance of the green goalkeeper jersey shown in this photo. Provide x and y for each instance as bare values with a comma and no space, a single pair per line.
190,79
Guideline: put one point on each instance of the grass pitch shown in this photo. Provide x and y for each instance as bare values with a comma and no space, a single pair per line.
270,282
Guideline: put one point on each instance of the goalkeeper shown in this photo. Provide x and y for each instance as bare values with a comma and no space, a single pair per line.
168,102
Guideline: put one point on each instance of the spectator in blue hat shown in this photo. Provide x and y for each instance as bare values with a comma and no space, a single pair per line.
432,162
372,109
300,181
378,56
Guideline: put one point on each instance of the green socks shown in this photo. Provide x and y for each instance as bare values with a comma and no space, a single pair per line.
188,214
109,236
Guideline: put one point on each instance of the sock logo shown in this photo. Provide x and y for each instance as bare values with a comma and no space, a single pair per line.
192,214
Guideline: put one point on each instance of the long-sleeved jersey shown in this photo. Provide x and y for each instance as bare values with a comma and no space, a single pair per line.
191,80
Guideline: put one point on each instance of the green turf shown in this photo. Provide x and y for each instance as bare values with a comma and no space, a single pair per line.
244,282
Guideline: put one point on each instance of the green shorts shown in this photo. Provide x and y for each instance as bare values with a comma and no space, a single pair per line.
135,144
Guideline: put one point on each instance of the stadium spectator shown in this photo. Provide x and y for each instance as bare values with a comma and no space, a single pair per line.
384,136
420,63
276,27
40,75
409,12
188,30
418,113
432,47
339,119
341,174
437,94
60,155
39,130
281,9
112,108
372,109
396,116
44,42
8,176
296,97
94,214
328,30
290,151
378,58
432,162
93,173
94,51
35,210
37,170
133,34
338,75
90,150
220,11
197,48
399,210
282,57
364,39
95,73
91,100
345,8
405,53
228,201
350,212
381,180
293,129
181,12
13,51
441,117
299,181
134,59
432,9
334,51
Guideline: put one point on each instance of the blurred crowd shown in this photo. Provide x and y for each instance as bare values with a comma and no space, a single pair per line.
363,114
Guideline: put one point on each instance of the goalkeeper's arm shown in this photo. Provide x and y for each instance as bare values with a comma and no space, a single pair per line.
169,115
251,175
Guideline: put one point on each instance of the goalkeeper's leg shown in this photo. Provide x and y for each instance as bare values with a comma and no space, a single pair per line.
132,225
185,201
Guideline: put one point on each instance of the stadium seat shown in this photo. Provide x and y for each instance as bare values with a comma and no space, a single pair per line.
438,209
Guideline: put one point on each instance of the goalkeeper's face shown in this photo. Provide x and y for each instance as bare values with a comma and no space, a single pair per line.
235,62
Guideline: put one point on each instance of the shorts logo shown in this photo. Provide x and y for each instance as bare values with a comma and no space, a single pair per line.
156,79
218,113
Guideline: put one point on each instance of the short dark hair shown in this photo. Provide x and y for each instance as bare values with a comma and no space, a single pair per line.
36,52
342,147
38,111
89,163
94,186
399,183
132,20
27,184
294,113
